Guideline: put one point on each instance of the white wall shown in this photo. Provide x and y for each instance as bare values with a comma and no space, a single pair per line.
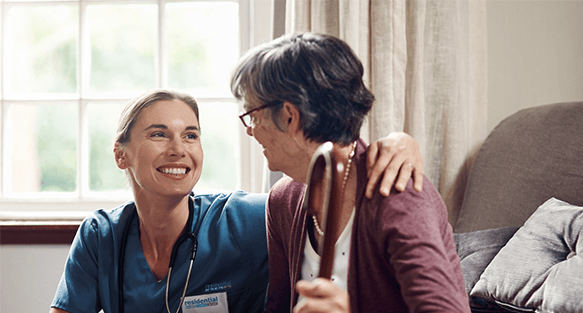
535,51
535,54
29,276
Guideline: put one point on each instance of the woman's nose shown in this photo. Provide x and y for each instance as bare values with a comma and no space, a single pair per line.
176,147
249,131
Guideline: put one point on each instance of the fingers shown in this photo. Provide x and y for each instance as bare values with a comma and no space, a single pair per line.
385,158
375,166
411,166
393,160
316,288
407,171
321,295
418,177
391,170
371,156
404,175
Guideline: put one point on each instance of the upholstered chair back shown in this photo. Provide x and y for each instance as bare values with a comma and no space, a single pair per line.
531,156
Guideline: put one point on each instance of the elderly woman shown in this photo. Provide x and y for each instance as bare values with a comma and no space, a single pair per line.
393,254
169,249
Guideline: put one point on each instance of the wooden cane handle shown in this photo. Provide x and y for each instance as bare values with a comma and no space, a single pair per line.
324,191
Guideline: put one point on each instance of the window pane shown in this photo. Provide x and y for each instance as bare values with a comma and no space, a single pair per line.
1,52
123,47
41,49
2,149
43,147
220,142
202,46
40,0
103,173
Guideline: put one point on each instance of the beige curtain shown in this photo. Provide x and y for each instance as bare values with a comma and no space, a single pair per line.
425,62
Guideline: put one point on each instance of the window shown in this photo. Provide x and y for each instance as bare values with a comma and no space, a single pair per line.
67,68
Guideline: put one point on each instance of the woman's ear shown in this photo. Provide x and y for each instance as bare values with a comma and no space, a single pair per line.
120,156
290,116
293,126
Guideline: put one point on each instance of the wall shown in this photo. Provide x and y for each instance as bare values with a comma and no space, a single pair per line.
534,50
29,276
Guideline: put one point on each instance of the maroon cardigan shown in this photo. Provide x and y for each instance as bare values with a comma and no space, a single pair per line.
402,253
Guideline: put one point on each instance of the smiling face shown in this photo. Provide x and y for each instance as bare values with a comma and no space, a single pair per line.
285,150
164,155
272,140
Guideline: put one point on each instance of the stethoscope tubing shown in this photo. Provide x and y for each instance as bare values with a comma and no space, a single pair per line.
187,235
185,287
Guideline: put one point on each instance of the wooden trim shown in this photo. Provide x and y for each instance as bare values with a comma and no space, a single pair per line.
37,233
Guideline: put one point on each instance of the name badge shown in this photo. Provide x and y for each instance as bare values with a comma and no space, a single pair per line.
207,303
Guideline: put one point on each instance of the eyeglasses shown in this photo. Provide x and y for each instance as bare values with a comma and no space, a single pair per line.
247,119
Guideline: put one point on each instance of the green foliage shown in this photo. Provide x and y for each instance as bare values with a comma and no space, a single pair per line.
57,147
44,48
123,47
218,124
103,173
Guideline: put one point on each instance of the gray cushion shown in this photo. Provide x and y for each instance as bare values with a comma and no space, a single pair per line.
541,266
476,250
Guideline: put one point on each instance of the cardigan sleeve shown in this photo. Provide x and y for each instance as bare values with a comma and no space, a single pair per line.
278,234
419,246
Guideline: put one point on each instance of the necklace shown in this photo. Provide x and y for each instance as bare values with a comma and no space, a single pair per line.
346,172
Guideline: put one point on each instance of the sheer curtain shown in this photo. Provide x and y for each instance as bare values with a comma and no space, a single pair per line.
425,62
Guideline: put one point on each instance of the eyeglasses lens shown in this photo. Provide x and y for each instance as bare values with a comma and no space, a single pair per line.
247,120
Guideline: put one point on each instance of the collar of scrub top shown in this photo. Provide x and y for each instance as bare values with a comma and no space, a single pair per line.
191,234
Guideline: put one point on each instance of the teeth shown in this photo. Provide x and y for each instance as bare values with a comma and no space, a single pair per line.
174,171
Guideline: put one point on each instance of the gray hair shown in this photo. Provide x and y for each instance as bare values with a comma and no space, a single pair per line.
319,74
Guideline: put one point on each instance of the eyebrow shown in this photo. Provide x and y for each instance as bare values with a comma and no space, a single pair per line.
162,126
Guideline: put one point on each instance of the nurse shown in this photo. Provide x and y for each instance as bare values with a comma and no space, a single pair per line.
171,249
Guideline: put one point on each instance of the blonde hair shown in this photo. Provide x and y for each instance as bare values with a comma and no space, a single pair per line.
132,111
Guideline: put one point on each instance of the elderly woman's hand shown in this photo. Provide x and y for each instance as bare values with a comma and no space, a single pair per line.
321,295
396,154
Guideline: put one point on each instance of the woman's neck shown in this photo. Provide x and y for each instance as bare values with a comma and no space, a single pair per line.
301,170
161,224
348,192
163,219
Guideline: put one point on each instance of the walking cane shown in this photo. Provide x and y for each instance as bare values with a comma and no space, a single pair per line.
324,192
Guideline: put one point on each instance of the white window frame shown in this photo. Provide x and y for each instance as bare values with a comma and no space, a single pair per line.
255,25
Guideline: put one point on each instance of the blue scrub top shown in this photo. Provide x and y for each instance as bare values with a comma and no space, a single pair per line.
231,258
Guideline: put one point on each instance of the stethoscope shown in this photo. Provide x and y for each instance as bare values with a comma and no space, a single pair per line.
190,234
